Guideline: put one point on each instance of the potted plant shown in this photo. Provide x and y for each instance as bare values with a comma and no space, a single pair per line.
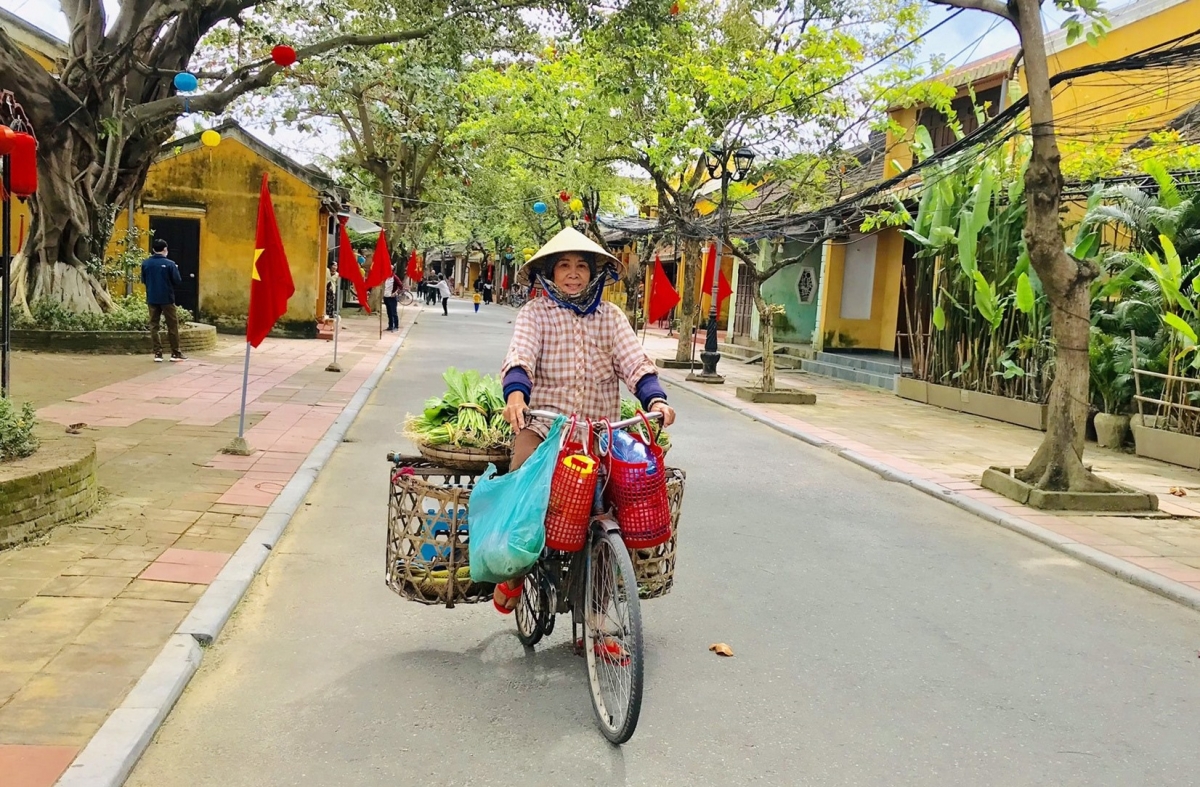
1111,363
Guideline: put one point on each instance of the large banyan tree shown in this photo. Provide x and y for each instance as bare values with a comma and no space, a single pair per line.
101,119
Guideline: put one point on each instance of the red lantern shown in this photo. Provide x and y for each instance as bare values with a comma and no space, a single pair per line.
283,55
564,196
23,162
7,135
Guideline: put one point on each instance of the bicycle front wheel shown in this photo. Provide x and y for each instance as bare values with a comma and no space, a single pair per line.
612,631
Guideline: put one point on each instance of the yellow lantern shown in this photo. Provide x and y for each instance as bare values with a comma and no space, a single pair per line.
210,139
528,252
576,204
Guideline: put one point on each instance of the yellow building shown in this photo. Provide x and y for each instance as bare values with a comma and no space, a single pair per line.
862,275
204,202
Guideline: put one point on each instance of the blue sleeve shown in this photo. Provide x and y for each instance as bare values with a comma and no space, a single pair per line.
649,389
517,379
175,275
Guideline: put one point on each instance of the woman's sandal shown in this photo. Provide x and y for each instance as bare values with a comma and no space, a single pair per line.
607,650
509,594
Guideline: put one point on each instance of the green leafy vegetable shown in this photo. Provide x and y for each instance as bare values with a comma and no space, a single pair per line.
468,415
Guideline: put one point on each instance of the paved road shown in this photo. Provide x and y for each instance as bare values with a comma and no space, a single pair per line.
881,638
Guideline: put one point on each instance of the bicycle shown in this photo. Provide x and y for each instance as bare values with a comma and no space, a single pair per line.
597,585
405,297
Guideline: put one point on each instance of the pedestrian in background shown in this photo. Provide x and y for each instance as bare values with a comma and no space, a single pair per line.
443,291
160,275
391,292
478,300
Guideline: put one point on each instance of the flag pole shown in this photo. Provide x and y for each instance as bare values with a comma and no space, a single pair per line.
238,446
337,325
337,297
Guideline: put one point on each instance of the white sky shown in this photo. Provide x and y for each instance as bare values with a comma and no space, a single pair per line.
959,40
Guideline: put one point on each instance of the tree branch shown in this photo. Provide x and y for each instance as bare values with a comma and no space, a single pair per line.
216,101
996,7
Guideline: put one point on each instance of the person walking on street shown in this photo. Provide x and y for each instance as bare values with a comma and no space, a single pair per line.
160,275
478,300
443,291
391,292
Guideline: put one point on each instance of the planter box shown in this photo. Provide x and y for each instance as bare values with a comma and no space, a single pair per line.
55,485
1002,481
912,388
1166,446
194,337
778,396
671,363
999,408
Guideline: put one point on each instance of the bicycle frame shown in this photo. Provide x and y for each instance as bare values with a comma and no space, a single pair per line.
565,571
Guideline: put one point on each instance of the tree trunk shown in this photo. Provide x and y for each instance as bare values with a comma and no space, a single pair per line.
687,308
1058,463
52,266
767,323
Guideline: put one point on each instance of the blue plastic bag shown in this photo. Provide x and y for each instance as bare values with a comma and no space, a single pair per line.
508,514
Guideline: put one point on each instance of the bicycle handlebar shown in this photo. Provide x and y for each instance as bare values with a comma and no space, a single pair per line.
550,416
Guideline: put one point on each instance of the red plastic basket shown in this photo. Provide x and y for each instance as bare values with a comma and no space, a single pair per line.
640,499
572,491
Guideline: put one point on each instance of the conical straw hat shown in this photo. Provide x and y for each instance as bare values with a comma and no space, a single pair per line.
569,239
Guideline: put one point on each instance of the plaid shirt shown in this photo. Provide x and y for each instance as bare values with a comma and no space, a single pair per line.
576,363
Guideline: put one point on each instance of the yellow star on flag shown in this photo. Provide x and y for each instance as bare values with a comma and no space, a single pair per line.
254,267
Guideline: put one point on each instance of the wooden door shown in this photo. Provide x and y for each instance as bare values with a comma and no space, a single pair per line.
183,246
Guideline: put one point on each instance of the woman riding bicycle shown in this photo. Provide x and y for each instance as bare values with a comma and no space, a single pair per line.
570,350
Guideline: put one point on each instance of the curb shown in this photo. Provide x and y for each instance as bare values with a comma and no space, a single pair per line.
110,755
1122,569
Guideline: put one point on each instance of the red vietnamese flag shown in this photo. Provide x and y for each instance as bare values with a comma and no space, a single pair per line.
348,267
504,284
663,297
414,269
381,263
270,277
723,288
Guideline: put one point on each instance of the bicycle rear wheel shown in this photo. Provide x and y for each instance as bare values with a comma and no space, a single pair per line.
533,610
612,631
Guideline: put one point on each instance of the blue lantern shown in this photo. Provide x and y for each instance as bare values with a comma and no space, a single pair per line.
185,82
539,207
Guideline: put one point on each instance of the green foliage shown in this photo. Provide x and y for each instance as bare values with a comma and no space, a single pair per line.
128,314
977,317
1147,299
1110,361
16,430
124,263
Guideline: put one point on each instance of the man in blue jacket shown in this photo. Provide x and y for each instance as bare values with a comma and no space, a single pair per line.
160,275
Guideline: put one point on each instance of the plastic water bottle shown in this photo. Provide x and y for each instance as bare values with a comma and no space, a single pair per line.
628,449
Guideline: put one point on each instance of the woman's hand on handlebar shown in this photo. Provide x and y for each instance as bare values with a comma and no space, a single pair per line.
666,410
514,411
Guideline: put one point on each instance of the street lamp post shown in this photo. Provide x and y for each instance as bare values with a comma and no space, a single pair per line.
718,159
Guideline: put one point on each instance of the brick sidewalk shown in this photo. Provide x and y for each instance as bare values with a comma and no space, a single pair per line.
953,449
85,612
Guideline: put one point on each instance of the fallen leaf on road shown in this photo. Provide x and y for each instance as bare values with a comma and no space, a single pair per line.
721,649
1178,491
74,428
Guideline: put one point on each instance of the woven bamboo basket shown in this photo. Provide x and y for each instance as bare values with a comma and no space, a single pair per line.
655,568
468,460
428,557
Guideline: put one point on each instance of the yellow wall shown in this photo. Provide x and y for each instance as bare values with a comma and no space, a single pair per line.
879,332
225,181
1100,104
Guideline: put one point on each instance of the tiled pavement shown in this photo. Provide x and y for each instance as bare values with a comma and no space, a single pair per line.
83,614
953,449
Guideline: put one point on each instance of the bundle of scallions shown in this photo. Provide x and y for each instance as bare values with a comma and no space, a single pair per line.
468,415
